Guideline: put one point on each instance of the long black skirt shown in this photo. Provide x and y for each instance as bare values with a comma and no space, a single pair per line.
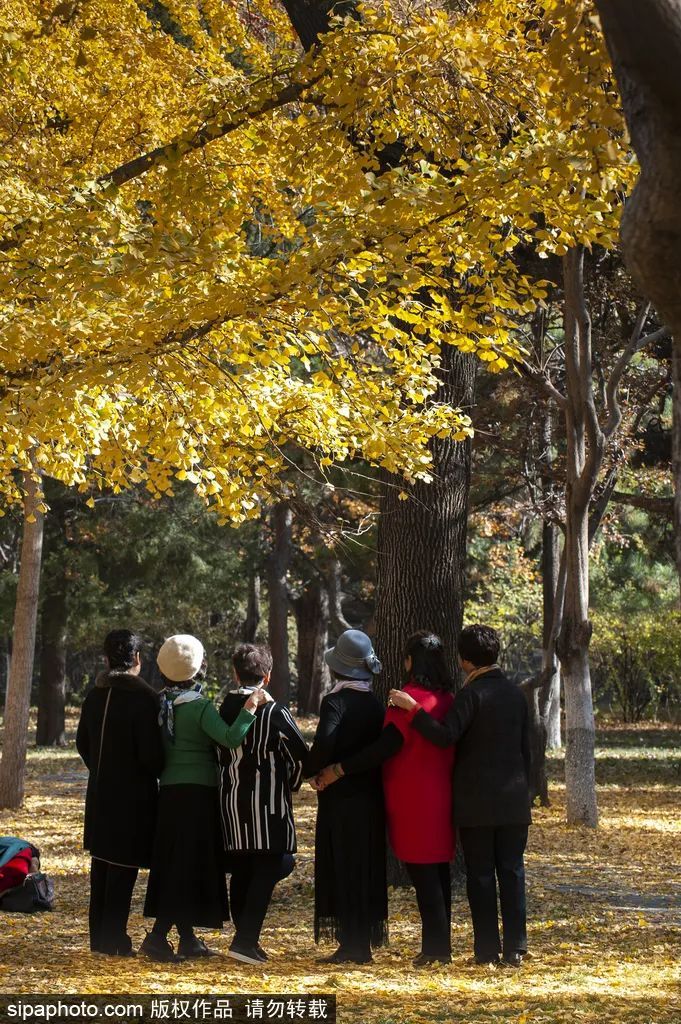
187,878
351,895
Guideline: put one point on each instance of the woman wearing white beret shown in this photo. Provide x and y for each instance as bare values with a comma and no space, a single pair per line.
187,878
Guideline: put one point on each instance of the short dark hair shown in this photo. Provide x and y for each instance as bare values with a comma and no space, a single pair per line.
252,662
479,644
428,661
121,646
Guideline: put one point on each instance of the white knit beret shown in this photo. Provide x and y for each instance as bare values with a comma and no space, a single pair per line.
180,657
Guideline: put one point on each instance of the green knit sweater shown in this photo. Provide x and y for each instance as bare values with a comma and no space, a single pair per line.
198,727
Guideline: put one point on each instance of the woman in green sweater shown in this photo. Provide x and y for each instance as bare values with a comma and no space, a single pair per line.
187,879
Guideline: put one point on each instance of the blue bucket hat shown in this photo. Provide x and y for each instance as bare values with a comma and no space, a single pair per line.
353,657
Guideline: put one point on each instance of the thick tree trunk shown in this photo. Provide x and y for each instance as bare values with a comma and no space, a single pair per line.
312,620
52,689
644,40
18,699
277,588
422,541
249,630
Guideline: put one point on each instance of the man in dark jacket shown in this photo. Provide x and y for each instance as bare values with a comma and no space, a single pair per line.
120,741
488,722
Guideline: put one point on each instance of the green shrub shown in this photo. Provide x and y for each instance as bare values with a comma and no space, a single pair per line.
636,662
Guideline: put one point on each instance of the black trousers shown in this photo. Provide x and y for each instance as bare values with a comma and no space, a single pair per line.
111,888
433,886
496,855
254,876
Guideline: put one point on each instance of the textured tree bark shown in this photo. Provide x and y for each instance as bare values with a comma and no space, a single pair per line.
18,698
338,622
50,731
676,454
550,563
312,620
249,630
422,541
310,18
277,588
644,40
582,466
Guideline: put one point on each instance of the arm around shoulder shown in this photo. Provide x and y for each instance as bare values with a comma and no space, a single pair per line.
455,724
226,735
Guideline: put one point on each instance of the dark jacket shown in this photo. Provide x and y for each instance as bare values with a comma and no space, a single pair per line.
348,722
488,723
258,778
120,741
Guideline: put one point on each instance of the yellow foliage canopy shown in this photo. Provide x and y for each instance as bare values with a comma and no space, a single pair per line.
206,255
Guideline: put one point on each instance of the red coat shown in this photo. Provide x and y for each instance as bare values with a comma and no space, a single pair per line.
417,783
15,870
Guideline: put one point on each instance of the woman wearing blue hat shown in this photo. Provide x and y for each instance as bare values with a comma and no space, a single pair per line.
351,896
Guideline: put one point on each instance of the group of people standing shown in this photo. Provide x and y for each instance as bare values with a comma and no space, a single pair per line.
194,794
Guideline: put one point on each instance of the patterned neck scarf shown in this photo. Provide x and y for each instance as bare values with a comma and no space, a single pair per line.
171,697
363,685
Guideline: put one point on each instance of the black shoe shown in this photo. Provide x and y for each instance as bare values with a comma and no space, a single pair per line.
245,954
261,952
512,960
156,947
426,959
192,948
484,961
347,956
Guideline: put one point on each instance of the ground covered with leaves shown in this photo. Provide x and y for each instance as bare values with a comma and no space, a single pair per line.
604,913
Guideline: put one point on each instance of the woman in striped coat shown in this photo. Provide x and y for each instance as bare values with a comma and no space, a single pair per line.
256,786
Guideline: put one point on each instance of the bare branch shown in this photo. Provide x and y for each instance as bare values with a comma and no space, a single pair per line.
650,502
636,344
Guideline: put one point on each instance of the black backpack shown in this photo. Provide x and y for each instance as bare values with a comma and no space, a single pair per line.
36,893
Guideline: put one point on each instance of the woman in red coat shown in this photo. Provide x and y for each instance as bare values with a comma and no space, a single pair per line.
417,783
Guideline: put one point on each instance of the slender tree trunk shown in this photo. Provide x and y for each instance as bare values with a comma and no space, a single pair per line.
18,699
277,587
676,452
338,621
550,563
312,620
249,630
52,689
550,662
581,471
422,541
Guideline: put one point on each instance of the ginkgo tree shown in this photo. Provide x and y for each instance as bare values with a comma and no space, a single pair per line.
206,259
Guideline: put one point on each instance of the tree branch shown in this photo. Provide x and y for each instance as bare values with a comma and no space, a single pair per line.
170,152
636,344
649,502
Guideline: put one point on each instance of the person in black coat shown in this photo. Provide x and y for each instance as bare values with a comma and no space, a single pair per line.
351,896
120,742
257,782
488,722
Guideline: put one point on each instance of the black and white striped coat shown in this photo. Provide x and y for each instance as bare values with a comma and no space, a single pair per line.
258,778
